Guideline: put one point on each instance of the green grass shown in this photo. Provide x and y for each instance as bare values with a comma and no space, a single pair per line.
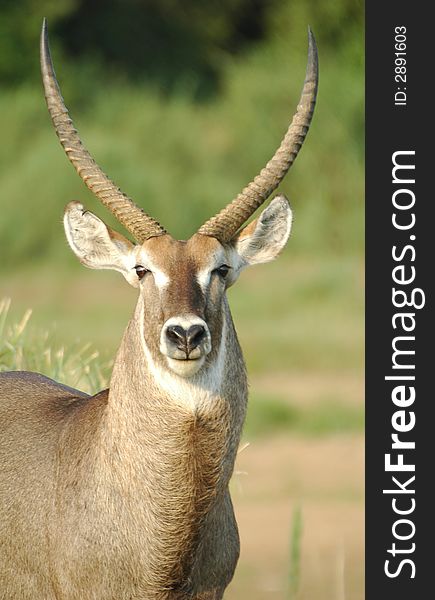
267,415
24,348
295,554
301,313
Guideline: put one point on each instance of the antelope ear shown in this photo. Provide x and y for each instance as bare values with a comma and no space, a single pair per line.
263,239
96,245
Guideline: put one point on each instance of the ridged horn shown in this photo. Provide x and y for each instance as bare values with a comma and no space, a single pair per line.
133,218
228,221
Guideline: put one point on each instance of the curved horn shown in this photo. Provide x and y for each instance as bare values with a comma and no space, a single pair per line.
133,218
228,221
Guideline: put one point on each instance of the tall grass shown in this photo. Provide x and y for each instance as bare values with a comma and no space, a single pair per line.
295,554
23,348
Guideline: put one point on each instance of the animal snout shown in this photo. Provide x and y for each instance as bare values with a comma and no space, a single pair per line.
186,339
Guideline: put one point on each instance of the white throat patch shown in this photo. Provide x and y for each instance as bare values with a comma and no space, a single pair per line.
189,391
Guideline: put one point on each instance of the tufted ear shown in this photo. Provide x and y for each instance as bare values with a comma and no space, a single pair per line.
263,239
96,245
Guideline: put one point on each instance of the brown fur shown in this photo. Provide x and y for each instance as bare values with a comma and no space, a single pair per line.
123,495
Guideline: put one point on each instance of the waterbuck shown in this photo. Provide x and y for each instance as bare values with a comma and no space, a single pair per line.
124,495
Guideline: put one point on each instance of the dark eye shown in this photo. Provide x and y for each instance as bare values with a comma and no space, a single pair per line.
222,271
141,271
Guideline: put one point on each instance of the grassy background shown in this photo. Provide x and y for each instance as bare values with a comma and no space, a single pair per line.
299,319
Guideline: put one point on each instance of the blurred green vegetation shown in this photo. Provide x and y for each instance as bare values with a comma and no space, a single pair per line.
269,415
179,153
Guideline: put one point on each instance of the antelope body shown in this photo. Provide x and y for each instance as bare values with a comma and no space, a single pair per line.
124,495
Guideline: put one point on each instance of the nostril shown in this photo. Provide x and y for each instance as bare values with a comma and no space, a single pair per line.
185,340
177,335
195,334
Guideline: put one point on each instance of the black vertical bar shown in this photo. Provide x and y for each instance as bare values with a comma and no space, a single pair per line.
399,118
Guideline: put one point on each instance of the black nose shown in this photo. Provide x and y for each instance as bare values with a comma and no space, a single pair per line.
186,339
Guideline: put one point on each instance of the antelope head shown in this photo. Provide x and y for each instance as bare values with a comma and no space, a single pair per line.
182,283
